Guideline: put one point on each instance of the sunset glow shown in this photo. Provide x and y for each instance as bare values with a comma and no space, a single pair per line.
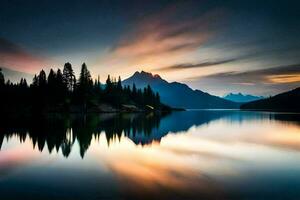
193,42
149,100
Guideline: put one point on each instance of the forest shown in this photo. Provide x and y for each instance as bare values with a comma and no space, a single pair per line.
61,91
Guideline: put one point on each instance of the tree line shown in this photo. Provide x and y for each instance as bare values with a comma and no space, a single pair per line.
62,91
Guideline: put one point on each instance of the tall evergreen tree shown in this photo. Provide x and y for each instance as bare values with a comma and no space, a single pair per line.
85,86
52,79
109,84
59,78
119,84
69,76
35,81
2,80
23,83
134,91
42,79
60,85
85,79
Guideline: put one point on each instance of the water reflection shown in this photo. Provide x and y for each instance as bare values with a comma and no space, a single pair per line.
183,155
60,132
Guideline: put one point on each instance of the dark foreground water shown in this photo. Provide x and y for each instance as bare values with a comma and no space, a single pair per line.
184,155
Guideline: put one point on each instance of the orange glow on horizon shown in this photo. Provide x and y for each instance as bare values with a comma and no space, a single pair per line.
284,78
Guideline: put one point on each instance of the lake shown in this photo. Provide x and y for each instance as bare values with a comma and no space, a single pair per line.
208,154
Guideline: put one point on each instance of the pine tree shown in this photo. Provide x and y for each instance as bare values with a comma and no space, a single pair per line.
119,84
35,81
23,83
85,78
85,86
60,80
51,78
2,79
134,91
69,76
109,84
42,80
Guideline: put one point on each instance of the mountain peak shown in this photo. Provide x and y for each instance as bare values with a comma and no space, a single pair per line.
145,74
175,94
240,97
144,78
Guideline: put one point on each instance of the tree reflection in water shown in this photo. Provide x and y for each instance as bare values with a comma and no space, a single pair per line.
61,131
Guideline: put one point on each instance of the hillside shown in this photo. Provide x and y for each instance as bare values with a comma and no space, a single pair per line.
287,101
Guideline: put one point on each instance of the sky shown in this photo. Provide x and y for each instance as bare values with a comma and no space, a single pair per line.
216,46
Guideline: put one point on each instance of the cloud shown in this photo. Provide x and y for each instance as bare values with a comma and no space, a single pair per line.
196,65
166,33
15,57
268,81
163,38
273,75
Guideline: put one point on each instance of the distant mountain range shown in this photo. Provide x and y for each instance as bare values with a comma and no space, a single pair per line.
15,76
179,95
241,98
287,101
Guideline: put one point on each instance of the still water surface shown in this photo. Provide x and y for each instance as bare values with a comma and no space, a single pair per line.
183,155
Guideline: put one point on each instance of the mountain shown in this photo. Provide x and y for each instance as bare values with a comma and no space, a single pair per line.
177,94
287,101
241,98
15,76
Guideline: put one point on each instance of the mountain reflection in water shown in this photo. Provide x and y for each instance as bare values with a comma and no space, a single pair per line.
61,131
183,155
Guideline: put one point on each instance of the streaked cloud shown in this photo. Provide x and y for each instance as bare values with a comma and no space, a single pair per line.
273,75
17,58
164,38
165,33
287,78
195,65
268,81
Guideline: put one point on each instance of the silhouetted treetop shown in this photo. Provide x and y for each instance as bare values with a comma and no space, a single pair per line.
2,80
69,76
